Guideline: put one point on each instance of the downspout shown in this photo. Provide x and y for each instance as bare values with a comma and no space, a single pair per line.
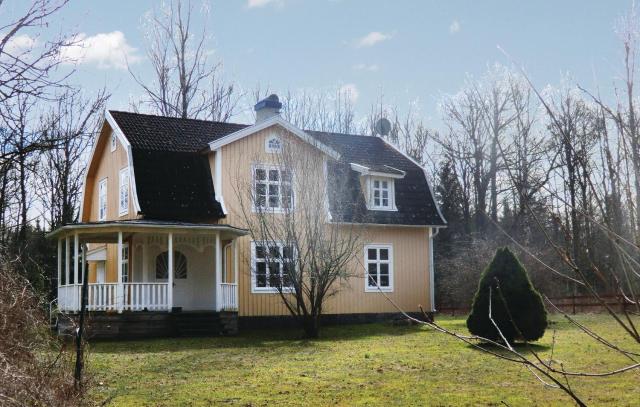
432,269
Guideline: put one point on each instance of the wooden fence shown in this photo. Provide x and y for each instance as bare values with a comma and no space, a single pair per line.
571,305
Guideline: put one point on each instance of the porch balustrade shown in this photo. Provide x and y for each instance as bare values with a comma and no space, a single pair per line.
104,297
229,293
152,296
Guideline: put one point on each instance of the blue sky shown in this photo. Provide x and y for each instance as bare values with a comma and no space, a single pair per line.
408,51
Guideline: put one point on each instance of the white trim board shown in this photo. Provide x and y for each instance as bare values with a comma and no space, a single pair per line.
125,143
364,170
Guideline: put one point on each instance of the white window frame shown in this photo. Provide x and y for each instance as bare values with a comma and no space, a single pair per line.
267,168
254,259
114,142
102,199
368,287
270,149
123,187
391,191
126,271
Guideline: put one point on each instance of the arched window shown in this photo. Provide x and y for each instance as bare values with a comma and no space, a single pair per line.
179,265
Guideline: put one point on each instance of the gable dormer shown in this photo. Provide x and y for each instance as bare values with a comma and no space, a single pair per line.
378,184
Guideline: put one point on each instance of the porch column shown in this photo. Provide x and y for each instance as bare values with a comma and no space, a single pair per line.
120,296
170,272
218,272
84,263
235,270
145,266
59,262
76,297
67,259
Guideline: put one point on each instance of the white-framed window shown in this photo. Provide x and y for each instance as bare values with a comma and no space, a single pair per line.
272,188
272,265
123,193
114,142
125,262
378,259
102,200
382,194
273,144
100,272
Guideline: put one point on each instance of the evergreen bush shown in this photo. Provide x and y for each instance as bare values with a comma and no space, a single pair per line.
517,308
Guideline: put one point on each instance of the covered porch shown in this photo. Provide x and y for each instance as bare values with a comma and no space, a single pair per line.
143,265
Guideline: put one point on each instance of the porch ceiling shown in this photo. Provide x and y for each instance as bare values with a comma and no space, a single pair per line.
106,232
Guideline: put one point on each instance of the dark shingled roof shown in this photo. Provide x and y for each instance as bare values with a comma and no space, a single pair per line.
173,178
159,133
415,203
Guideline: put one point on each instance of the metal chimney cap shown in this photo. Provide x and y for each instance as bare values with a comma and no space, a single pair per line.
272,101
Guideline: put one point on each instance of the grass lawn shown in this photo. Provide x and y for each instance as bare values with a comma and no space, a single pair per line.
376,364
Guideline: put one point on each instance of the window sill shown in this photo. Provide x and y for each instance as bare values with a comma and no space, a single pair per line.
372,208
270,290
378,290
280,211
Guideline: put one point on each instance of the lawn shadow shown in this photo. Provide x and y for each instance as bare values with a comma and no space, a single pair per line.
519,347
286,339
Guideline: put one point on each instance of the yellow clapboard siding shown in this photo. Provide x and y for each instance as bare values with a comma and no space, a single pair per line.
410,246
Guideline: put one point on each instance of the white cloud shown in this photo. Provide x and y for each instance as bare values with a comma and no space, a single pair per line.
106,50
349,91
372,39
365,67
263,3
454,27
19,44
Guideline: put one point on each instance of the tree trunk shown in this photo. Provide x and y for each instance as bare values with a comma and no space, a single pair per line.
79,334
311,326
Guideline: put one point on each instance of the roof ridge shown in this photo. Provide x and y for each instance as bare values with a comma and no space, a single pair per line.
333,133
178,118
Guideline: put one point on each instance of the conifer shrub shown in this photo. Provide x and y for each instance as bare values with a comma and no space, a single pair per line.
516,307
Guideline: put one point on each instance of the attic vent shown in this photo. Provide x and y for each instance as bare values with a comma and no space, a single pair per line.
273,144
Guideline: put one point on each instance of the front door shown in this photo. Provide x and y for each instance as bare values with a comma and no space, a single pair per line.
181,297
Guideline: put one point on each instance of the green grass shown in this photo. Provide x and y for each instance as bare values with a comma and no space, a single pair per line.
376,364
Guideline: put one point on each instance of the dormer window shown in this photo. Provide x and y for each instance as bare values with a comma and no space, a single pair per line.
273,144
379,185
382,193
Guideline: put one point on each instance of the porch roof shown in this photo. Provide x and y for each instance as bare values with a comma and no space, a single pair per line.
105,232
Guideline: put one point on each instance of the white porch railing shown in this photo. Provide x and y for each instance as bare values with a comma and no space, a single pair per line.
102,297
229,295
152,296
69,297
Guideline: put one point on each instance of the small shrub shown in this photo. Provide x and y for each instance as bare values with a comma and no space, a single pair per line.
524,316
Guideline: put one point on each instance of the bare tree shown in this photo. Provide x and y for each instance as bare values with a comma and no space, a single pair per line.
27,67
468,142
330,111
185,82
70,126
308,252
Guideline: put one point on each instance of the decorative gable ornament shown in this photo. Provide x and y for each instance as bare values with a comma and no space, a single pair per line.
273,144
